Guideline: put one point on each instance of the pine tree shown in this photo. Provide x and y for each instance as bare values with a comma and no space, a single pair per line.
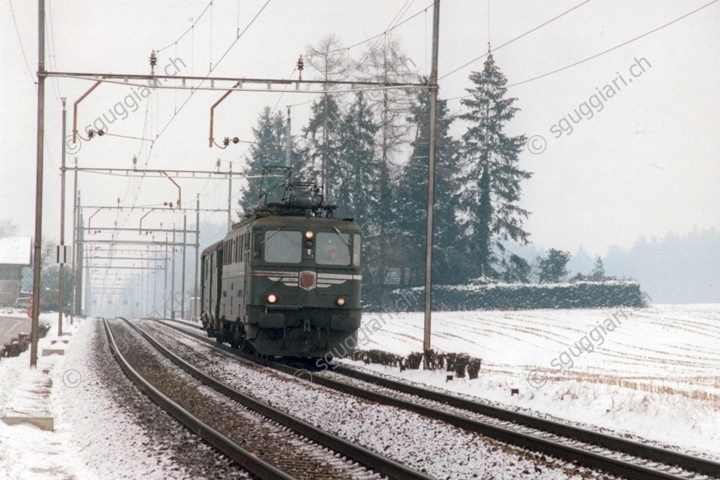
330,62
515,269
490,176
321,154
267,150
358,184
552,269
388,63
598,272
410,204
359,174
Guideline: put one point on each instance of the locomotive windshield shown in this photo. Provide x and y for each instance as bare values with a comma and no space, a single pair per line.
289,246
283,246
333,249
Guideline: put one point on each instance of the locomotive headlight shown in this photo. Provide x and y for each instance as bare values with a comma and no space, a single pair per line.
340,301
309,235
272,298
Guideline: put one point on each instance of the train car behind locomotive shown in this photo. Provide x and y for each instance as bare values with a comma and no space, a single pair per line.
285,281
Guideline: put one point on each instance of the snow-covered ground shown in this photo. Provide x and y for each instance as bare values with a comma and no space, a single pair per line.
652,373
104,429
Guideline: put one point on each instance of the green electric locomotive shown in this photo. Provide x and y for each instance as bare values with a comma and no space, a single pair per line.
285,281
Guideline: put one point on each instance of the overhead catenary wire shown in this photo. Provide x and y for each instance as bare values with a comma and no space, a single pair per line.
394,23
384,32
282,92
178,110
212,69
52,60
379,38
22,48
513,39
189,28
579,62
613,48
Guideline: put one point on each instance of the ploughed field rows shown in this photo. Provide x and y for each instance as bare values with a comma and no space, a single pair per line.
663,349
424,444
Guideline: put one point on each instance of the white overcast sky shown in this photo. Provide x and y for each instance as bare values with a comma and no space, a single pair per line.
646,164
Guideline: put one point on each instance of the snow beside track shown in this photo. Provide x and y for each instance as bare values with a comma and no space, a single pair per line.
656,375
94,437
426,445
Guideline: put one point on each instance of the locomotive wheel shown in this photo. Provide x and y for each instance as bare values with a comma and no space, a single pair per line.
234,337
248,347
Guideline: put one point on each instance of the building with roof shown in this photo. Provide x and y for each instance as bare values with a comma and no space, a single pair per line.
15,254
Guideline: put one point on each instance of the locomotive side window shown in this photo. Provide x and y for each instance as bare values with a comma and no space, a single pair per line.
357,246
257,245
333,249
241,249
283,246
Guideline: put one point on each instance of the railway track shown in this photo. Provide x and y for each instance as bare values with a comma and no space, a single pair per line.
315,454
621,457
628,447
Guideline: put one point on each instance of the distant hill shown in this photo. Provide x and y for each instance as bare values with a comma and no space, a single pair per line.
674,269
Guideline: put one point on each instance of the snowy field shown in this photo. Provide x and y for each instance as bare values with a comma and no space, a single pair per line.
653,373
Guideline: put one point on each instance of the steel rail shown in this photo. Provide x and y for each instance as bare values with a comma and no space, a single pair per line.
648,452
355,452
235,452
555,449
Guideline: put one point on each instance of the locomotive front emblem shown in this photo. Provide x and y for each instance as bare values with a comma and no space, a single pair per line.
307,280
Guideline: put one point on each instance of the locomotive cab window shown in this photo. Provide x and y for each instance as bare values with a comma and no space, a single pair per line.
357,247
283,246
258,237
333,248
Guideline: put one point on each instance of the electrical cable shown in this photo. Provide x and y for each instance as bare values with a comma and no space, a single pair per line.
212,69
613,48
385,32
17,31
514,39
52,60
188,30
566,67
